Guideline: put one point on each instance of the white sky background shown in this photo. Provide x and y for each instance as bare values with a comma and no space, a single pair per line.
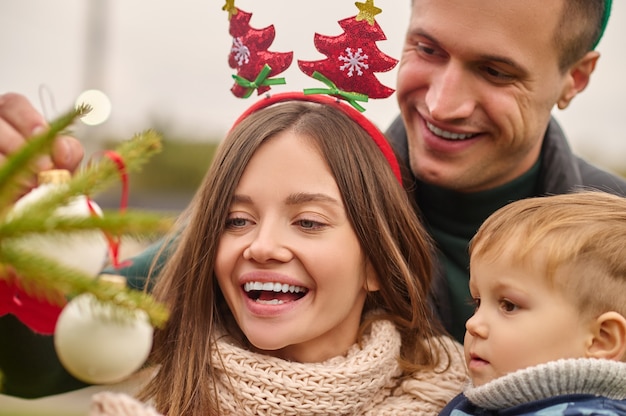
164,63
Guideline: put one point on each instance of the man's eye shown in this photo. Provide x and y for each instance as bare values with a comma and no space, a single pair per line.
497,75
426,49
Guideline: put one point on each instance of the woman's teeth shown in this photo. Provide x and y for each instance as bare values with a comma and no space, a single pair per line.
272,287
274,293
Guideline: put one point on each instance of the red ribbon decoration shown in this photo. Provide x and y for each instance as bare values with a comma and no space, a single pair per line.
114,241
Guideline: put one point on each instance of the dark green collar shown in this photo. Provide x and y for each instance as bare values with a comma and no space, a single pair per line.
462,213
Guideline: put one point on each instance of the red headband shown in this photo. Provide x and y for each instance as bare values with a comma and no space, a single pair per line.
378,137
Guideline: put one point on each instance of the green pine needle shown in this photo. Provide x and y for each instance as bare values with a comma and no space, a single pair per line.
46,279
132,223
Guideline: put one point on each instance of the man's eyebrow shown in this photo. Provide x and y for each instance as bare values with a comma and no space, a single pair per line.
422,33
303,197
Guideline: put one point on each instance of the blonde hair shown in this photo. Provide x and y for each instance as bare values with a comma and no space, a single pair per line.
581,235
383,219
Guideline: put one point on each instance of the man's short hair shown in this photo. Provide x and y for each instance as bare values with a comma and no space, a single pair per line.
580,28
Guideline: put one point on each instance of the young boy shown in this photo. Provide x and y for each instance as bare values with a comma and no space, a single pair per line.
548,278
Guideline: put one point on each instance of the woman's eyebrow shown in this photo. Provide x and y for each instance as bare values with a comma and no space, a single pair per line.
302,197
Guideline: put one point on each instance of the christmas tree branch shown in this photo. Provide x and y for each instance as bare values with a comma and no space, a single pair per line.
130,223
133,153
35,279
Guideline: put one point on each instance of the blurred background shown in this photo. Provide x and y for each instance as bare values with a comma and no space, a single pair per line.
162,64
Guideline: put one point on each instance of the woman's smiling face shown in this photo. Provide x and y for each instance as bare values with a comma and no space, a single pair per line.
289,263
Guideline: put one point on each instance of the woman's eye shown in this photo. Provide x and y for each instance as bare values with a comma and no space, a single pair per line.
236,222
309,224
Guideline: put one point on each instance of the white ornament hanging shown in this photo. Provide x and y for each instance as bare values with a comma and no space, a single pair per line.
84,251
101,343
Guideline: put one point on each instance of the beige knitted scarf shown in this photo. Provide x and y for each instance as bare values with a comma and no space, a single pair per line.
362,382
345,385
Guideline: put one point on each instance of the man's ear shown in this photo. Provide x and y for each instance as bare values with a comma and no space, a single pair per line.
609,337
577,78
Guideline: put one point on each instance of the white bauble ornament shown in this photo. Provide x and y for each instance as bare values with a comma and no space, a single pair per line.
84,251
99,343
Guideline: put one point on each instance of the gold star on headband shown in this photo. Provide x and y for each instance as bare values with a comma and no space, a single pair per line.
230,8
367,11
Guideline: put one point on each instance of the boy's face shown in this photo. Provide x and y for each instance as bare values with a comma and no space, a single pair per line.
477,81
520,319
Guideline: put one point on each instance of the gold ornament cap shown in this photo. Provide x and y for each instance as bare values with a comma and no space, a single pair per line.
54,176
113,279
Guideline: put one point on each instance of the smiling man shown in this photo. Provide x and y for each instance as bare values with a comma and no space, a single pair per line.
477,82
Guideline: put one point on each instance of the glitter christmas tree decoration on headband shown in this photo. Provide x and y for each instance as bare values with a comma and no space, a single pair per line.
348,72
250,56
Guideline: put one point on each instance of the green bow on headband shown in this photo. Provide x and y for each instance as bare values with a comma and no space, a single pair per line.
261,80
350,97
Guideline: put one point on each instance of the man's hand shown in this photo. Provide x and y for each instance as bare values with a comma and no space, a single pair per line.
19,120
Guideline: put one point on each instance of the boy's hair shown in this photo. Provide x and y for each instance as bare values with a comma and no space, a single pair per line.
383,219
581,236
580,28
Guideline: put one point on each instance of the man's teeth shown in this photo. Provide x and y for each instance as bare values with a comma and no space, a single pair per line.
448,134
272,287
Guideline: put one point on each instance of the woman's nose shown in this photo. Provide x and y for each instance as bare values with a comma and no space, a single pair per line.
268,244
